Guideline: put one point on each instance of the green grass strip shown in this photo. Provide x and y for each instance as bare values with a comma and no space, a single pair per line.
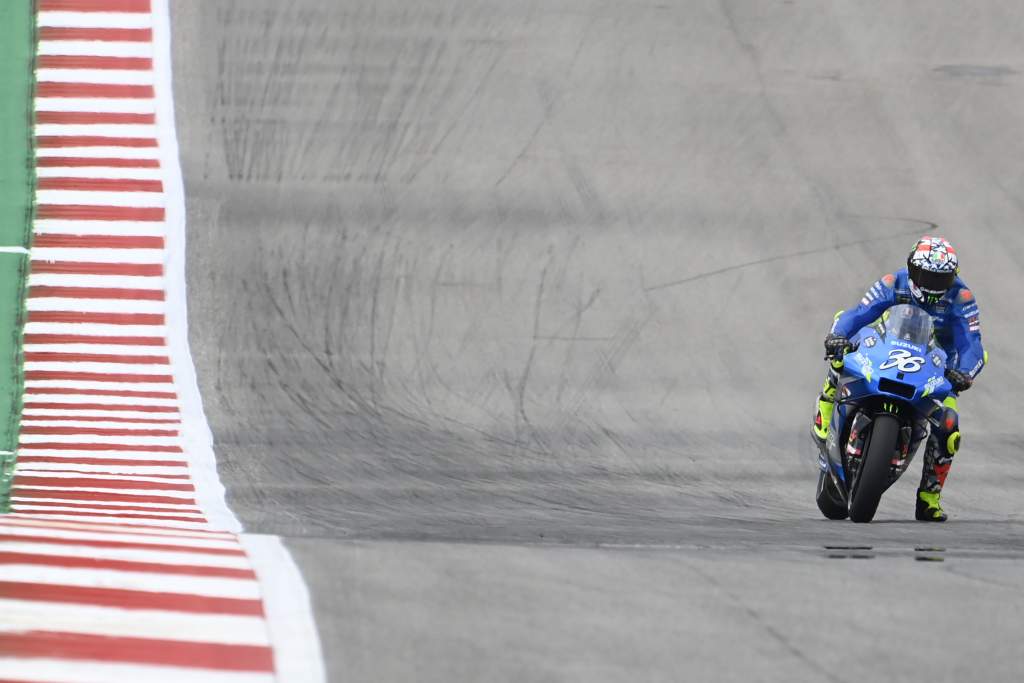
17,193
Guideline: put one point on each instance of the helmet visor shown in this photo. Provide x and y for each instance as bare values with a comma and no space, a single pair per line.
930,281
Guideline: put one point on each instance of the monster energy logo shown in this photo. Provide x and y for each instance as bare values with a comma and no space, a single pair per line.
891,408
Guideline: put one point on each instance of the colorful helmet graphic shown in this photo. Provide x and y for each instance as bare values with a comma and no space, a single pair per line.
933,266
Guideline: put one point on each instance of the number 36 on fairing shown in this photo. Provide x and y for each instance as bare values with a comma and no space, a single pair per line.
902,360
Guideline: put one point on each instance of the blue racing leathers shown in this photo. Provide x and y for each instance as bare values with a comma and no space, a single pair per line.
955,316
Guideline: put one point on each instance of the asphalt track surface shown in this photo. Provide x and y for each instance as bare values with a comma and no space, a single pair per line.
507,316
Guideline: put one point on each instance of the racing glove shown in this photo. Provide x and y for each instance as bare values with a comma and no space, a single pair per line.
960,380
835,346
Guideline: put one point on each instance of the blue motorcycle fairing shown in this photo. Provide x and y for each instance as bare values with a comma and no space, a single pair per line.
876,358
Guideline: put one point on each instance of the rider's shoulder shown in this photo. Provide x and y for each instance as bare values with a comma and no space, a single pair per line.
888,280
961,293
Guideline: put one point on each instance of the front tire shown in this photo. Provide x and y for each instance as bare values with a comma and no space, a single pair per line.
875,468
829,500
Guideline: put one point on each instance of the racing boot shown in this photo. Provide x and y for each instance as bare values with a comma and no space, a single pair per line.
943,444
928,508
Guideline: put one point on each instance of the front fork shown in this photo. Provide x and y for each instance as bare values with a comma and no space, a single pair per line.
849,451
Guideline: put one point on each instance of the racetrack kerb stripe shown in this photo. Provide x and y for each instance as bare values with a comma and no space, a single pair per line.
98,90
126,565
138,650
17,191
96,293
97,418
89,482
111,35
91,62
95,162
48,356
99,318
112,493
120,393
124,544
140,6
100,241
42,405
101,184
83,118
130,599
62,141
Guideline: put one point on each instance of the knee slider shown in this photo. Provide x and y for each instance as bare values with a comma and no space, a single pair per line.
950,420
949,427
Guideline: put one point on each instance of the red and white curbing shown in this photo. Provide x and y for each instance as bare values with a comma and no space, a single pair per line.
121,560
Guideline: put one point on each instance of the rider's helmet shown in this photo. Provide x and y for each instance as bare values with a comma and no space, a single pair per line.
932,266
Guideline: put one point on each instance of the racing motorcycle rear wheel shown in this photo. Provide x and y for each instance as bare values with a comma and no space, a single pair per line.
829,500
875,468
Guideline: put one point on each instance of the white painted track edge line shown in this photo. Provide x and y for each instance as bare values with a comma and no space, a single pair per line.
286,601
197,438
289,613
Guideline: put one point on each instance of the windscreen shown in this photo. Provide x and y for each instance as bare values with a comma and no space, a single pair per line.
910,324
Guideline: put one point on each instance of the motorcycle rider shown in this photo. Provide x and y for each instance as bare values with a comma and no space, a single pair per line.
931,282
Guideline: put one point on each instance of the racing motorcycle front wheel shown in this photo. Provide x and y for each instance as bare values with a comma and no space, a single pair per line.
875,468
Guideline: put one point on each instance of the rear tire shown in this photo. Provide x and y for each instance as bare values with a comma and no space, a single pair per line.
828,498
875,468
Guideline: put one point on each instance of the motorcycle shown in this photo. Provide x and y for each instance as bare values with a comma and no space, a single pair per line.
892,381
